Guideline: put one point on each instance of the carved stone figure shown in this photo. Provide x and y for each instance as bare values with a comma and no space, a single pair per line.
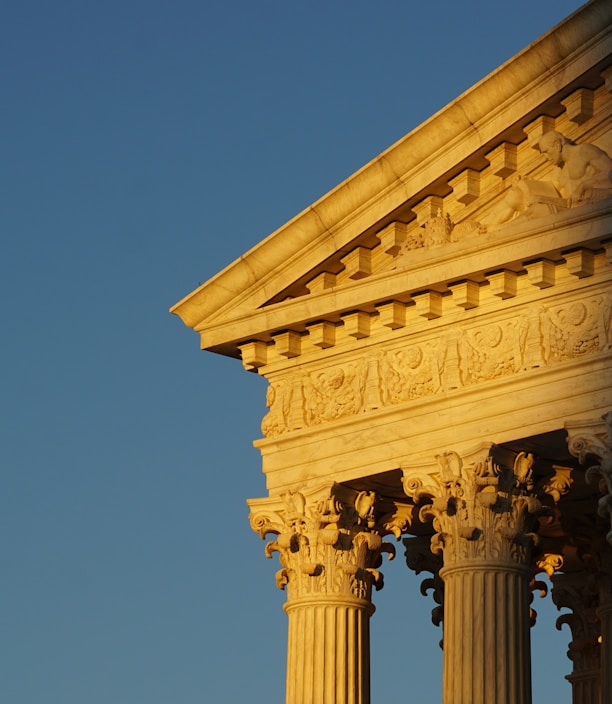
583,175
278,400
585,170
333,393
407,374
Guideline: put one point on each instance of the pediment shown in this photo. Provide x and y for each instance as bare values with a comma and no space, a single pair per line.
427,218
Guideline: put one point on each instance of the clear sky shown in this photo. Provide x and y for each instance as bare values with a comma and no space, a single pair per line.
145,145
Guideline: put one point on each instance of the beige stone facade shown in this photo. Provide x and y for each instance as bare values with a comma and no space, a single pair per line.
437,337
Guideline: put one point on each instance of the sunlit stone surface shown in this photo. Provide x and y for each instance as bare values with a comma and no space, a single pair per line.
437,337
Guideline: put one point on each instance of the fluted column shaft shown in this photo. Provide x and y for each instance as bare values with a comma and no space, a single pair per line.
328,651
605,614
585,687
484,514
330,544
486,635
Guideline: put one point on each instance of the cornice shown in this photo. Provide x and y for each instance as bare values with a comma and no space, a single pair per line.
473,122
428,270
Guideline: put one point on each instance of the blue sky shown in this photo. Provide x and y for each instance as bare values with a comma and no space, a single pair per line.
145,146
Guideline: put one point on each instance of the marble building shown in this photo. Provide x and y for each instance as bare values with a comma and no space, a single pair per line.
436,333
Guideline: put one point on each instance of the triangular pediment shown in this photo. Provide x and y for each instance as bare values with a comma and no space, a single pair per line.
430,212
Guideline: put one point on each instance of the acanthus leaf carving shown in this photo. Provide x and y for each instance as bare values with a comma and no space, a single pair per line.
329,541
574,591
419,558
481,509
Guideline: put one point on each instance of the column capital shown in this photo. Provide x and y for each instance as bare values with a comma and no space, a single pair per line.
329,540
590,441
420,558
575,591
483,506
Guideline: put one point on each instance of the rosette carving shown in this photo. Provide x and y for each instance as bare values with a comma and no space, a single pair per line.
329,541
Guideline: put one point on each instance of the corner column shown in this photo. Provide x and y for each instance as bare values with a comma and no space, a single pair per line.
592,442
484,514
330,546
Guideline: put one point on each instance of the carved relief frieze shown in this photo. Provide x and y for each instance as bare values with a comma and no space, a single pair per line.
334,393
491,351
284,399
576,328
459,358
410,372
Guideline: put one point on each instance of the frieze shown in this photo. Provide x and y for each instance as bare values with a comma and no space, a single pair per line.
464,357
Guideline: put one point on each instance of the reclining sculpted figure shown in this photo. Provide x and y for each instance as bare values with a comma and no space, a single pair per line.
583,175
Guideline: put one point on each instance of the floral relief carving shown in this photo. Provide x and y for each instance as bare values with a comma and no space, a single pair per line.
330,542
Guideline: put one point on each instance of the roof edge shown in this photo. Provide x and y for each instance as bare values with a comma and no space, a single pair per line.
326,215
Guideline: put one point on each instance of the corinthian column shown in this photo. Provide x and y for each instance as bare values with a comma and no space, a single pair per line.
592,441
484,514
330,545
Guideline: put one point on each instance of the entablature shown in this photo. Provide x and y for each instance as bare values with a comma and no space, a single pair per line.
457,278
